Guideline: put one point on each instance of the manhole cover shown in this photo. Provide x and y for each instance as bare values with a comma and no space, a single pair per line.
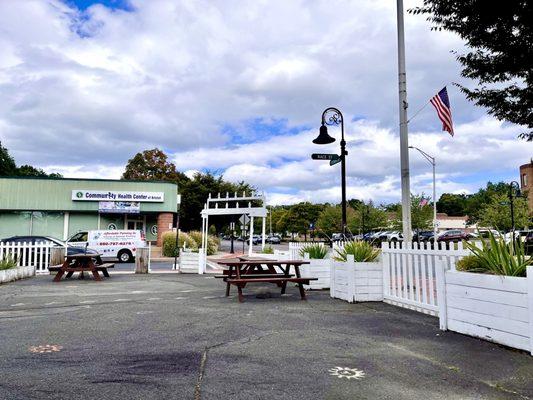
348,373
45,348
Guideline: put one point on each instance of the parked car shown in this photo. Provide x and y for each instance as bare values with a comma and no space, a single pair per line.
519,234
119,244
273,239
485,233
423,236
390,236
454,235
71,250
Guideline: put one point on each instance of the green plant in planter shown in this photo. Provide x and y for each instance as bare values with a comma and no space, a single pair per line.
361,251
316,251
268,250
497,257
469,264
8,262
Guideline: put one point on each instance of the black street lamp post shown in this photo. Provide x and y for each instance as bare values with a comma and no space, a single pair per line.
513,187
332,116
232,233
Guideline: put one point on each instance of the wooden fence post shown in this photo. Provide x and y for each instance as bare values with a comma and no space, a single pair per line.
57,255
529,286
440,272
141,260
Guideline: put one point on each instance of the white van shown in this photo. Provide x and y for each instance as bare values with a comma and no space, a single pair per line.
120,244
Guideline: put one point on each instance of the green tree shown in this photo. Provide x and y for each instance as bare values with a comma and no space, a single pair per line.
452,204
300,216
330,220
152,165
367,218
28,170
421,214
497,213
476,202
7,163
500,39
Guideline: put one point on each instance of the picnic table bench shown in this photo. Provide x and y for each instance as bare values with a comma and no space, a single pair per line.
81,263
241,272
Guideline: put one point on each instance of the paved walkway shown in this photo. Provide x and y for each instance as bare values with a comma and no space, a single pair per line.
175,336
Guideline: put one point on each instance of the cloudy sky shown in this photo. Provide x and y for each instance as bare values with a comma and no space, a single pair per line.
238,87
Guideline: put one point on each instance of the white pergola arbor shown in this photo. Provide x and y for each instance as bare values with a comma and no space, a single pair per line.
230,206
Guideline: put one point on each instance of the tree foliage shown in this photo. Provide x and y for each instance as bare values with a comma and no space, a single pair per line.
367,218
421,215
7,163
152,165
497,213
500,38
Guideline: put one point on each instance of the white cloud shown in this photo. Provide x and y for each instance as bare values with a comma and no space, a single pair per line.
81,93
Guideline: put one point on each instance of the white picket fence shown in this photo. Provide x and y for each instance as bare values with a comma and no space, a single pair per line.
409,276
28,255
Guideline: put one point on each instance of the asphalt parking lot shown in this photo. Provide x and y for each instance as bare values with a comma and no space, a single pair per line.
163,336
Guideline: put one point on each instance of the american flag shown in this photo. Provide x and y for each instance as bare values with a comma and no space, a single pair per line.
441,102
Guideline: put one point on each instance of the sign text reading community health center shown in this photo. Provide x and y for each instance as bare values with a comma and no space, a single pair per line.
102,195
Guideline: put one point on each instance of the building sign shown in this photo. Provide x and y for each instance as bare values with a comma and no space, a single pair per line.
103,195
119,207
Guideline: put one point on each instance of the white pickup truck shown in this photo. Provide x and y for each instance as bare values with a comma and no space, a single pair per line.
119,244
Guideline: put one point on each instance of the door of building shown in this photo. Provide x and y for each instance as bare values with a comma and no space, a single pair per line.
135,224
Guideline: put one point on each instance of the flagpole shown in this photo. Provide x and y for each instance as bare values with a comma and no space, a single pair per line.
404,141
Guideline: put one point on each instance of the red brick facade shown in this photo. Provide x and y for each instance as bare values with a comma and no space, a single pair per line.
164,224
526,183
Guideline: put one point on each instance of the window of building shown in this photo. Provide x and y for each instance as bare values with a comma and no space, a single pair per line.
524,180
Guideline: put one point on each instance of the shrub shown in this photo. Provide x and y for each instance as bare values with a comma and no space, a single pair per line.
169,243
268,250
497,257
469,263
316,251
212,242
8,262
362,252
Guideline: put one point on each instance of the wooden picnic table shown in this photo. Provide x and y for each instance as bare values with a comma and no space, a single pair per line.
81,263
241,272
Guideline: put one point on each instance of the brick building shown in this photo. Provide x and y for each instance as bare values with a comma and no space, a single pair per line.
526,182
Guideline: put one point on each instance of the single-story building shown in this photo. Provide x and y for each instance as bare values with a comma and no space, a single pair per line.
60,207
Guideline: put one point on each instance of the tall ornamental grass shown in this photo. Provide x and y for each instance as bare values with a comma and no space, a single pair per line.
8,262
316,251
361,251
212,242
497,257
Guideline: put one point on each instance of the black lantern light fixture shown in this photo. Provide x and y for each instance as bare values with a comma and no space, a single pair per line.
332,116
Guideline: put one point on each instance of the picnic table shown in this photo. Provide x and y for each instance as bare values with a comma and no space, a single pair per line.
242,271
81,263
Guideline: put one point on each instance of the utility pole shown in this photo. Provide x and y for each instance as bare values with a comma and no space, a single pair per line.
404,141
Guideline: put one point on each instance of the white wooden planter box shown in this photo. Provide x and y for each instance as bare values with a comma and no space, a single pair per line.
351,281
320,269
189,262
495,308
13,274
